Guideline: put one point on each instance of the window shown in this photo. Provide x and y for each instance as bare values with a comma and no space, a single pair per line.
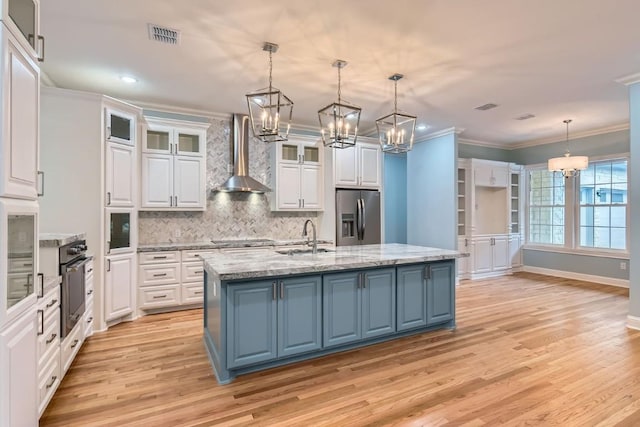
546,207
587,212
603,205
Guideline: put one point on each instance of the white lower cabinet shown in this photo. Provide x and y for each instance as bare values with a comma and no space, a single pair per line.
464,263
18,363
515,250
118,289
49,380
70,347
490,255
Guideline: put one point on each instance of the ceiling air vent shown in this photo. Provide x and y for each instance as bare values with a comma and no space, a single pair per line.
486,107
525,117
163,34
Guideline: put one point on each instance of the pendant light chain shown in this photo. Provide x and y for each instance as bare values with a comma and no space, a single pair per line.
339,81
395,103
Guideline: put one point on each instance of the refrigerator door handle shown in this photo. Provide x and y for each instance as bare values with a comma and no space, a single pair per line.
358,219
363,212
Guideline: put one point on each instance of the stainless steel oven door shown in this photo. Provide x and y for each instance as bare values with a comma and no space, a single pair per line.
73,294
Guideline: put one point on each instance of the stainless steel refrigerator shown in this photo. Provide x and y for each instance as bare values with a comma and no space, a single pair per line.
357,217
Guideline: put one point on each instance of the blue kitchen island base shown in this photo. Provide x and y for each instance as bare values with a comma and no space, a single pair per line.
277,311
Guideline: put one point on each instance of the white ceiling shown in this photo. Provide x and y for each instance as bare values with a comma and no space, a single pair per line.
556,59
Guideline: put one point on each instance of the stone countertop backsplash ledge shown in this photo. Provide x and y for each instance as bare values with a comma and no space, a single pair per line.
226,243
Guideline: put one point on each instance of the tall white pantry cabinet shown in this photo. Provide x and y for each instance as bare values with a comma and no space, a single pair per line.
94,138
490,217
21,46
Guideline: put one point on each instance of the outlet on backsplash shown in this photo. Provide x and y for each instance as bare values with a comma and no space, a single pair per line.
177,233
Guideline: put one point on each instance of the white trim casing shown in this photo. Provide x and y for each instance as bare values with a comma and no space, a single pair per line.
633,322
611,281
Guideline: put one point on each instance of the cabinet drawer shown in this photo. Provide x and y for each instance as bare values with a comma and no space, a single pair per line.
49,340
88,287
159,257
193,272
159,296
88,321
70,347
151,275
50,302
193,293
88,269
194,255
48,381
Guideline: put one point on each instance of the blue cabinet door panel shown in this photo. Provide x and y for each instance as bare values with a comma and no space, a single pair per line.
251,323
341,309
378,303
299,315
412,297
440,292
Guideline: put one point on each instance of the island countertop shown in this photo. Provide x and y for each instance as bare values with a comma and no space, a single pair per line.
270,263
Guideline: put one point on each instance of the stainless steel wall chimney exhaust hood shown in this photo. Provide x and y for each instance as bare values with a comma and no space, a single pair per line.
240,181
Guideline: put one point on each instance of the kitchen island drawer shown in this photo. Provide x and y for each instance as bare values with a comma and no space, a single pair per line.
159,296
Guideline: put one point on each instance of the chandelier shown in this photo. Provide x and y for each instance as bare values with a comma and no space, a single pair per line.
270,110
569,165
339,121
396,131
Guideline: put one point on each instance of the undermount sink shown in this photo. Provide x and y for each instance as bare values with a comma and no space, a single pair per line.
292,252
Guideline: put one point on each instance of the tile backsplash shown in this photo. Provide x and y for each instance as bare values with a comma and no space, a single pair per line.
228,215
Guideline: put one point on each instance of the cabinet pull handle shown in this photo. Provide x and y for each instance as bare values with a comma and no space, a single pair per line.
90,270
160,275
108,198
52,303
159,257
170,201
108,265
159,296
303,203
27,264
41,192
466,243
197,293
364,281
90,319
53,381
50,340
108,132
273,290
41,322
198,272
89,292
75,343
41,56
281,290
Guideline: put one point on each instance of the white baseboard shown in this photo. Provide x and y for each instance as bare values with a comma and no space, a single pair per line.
621,283
633,322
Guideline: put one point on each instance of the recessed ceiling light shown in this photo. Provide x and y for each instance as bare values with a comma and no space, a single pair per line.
486,107
422,127
128,79
525,117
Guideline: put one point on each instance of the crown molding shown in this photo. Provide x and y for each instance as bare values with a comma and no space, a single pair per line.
180,110
438,134
629,80
480,143
46,80
576,135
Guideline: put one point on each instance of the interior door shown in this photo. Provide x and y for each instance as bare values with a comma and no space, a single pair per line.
371,217
347,221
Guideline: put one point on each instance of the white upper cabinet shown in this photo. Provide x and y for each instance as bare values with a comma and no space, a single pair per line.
19,121
22,18
358,166
173,165
120,175
492,176
297,179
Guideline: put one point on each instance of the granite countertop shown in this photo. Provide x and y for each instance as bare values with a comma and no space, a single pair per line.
220,244
251,265
53,240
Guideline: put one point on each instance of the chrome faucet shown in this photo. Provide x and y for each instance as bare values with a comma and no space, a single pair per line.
314,244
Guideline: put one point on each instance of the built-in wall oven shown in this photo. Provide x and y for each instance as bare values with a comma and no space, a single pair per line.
72,261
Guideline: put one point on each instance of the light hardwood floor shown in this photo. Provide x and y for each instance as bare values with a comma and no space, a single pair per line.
528,350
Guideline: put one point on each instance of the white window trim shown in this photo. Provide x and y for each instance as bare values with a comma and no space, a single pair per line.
571,245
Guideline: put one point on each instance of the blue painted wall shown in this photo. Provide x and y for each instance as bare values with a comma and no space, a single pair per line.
468,151
395,198
634,200
431,193
584,264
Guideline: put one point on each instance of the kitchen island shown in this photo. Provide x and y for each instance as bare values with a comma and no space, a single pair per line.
265,310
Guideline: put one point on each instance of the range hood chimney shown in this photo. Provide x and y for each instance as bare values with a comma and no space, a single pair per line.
240,181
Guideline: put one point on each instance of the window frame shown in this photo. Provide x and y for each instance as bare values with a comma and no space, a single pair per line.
572,215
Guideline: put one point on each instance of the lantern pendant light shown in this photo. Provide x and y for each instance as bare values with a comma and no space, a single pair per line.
270,110
339,121
569,165
396,131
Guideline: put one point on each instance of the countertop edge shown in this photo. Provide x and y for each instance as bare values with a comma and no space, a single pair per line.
160,247
54,240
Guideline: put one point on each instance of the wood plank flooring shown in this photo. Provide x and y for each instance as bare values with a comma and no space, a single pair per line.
528,350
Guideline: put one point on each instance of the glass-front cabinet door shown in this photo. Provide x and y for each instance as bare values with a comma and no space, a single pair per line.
23,19
19,257
121,127
299,152
189,142
158,139
120,230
